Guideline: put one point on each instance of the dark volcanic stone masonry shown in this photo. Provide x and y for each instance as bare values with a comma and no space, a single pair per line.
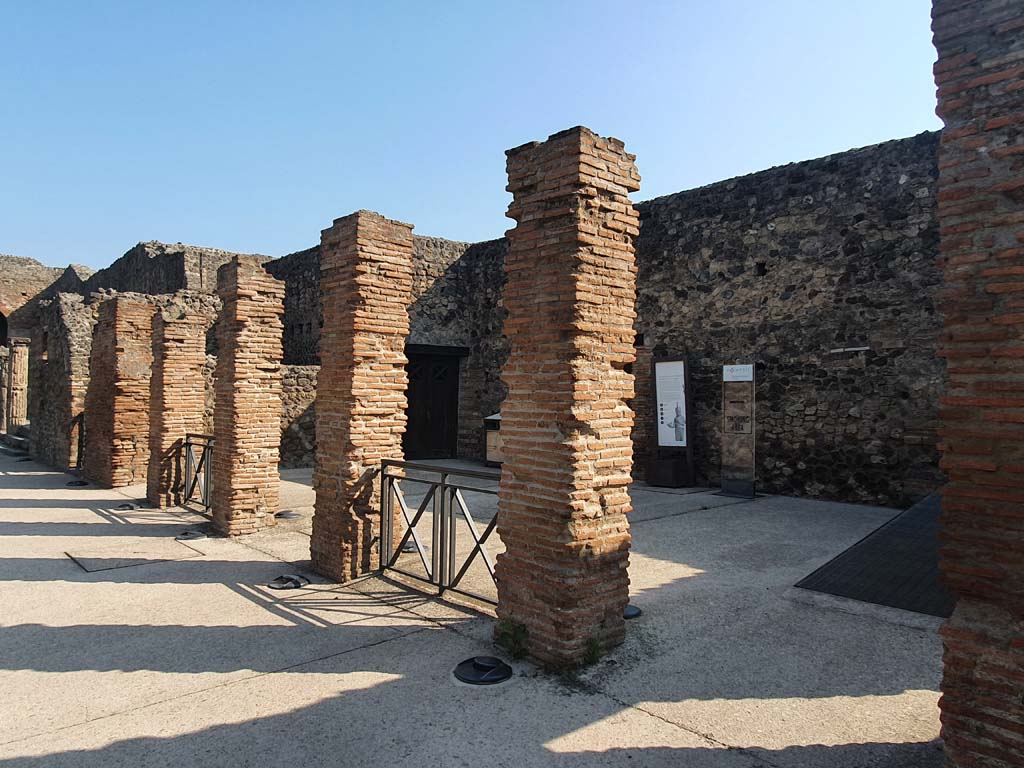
822,273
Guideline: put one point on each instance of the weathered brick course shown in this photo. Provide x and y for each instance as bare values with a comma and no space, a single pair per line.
177,399
117,402
366,288
566,424
16,401
981,218
247,383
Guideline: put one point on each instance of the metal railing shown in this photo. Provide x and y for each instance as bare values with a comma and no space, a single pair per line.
198,466
446,503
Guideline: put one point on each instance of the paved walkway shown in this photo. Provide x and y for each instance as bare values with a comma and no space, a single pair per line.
137,650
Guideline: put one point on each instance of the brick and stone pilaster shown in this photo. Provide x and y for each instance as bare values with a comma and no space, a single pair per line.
17,385
566,422
117,401
247,387
980,78
177,400
365,288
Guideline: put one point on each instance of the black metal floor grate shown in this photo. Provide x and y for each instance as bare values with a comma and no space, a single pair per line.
896,565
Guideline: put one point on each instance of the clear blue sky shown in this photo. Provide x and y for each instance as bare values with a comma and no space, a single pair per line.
251,125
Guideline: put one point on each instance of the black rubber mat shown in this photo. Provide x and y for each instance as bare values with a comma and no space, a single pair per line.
896,565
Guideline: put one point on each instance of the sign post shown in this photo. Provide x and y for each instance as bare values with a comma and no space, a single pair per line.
738,431
672,461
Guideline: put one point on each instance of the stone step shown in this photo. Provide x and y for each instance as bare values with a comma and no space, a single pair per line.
25,430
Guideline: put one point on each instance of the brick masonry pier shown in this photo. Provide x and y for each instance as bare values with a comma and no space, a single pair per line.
980,78
177,399
117,400
247,386
566,424
366,289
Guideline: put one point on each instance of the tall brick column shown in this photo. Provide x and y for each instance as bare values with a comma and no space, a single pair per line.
17,385
177,400
5,374
117,401
365,289
247,386
566,423
980,78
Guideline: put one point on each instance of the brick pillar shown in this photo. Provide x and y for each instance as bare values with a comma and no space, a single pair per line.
117,401
365,289
17,385
247,386
979,73
5,374
177,400
566,423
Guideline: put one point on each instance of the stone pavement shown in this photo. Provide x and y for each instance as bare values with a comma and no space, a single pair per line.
163,653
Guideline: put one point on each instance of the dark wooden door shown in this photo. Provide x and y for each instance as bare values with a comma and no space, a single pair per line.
433,409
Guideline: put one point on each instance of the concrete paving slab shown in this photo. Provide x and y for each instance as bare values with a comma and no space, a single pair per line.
127,554
197,662
395,703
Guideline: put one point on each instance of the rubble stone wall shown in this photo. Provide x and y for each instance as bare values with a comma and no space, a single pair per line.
823,274
59,378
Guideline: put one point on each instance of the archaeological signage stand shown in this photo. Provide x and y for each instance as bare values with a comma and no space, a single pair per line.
738,431
671,464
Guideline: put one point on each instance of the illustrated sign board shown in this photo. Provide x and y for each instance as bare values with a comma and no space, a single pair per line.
670,389
737,373
738,431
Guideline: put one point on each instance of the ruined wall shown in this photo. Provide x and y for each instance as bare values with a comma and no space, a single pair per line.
303,315
822,273
457,291
159,268
21,280
298,417
59,377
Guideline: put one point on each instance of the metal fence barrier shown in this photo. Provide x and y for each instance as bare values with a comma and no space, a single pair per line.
446,503
198,466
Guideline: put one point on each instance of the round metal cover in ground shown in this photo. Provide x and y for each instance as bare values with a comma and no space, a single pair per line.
287,514
77,483
483,670
631,612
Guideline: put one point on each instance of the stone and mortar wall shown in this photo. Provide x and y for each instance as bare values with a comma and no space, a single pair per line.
59,377
303,315
298,416
566,423
980,78
21,280
457,290
823,273
247,385
162,268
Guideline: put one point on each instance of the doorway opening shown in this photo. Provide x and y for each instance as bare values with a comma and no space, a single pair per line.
432,431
